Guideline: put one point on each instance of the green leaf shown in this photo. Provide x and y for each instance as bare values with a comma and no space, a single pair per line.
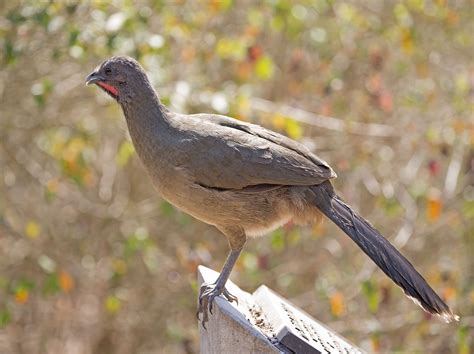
372,294
25,284
16,17
73,36
391,206
137,242
463,340
10,54
51,285
41,90
278,240
468,209
126,150
5,317
166,208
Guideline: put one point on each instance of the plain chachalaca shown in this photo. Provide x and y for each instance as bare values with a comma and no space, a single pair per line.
243,179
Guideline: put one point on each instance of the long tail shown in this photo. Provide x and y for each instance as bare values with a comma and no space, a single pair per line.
386,256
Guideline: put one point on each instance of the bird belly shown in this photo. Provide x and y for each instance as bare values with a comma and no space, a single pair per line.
262,229
256,213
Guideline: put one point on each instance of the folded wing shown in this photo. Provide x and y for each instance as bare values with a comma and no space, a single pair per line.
249,155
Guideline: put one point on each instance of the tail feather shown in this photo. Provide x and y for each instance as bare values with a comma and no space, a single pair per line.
384,254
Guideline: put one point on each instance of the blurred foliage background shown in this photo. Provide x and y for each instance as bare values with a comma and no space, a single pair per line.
92,261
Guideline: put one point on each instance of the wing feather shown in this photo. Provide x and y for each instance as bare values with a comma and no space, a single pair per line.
225,153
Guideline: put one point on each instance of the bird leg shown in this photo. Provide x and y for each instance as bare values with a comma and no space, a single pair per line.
208,292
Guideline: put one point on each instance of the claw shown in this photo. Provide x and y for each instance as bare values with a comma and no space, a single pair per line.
230,297
207,293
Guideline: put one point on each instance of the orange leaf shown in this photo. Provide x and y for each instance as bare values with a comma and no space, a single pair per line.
251,31
434,206
254,53
279,121
326,109
66,282
318,229
244,70
449,293
337,304
386,101
459,125
452,18
188,54
22,295
375,341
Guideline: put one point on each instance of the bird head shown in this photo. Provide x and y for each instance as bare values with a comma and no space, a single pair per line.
117,76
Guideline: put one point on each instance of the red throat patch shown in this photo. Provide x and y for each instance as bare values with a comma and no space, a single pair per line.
108,88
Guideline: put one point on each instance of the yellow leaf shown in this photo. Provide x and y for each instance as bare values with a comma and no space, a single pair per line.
21,295
73,149
230,48
346,12
293,129
32,229
112,304
66,282
318,229
220,5
407,42
52,185
337,304
120,267
264,68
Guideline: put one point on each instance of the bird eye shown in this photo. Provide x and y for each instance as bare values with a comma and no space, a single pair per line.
108,71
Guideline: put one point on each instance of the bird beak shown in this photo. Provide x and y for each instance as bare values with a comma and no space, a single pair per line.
93,78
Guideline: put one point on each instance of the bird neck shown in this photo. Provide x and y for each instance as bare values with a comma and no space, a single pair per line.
147,119
142,104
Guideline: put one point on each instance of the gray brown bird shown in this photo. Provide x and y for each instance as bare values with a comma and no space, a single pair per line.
243,179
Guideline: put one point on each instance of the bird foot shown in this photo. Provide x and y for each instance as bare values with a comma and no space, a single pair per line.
207,293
